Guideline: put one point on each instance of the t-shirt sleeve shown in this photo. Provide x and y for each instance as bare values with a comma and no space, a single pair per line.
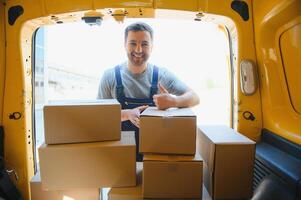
172,83
106,85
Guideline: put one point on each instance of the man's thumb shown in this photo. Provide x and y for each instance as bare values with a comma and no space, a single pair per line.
142,108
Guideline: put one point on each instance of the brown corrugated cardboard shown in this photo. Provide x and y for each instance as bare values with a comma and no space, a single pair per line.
171,131
135,193
68,122
129,193
228,162
172,176
79,194
89,165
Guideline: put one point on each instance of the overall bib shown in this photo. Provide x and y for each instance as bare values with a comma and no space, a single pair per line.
130,103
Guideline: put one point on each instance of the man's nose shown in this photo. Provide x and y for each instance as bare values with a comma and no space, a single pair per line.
138,48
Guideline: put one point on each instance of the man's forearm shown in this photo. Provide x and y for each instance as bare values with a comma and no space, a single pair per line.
187,99
124,115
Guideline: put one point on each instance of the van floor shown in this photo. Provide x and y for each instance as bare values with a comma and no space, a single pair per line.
104,194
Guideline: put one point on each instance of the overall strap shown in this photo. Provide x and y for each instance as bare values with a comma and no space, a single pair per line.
119,86
154,87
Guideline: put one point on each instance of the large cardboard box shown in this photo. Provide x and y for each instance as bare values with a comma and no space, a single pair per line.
172,176
171,131
89,165
37,193
228,162
68,122
135,193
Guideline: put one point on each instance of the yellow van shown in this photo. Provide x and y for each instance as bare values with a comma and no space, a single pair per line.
257,43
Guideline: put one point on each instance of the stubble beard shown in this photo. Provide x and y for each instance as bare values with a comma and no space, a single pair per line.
137,62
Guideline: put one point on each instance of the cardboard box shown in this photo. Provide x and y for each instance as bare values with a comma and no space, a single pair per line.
172,176
89,165
135,193
171,131
68,122
228,162
79,194
129,193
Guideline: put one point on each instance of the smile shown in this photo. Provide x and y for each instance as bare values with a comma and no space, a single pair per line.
137,55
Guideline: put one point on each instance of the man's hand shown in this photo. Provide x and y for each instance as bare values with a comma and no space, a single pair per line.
133,115
164,100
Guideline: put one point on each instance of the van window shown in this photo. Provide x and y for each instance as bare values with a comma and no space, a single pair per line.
290,45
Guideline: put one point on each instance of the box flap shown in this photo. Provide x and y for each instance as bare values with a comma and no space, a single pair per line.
127,138
172,158
206,148
171,112
83,102
224,135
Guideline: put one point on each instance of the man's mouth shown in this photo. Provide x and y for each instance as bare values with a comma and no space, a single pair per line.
140,55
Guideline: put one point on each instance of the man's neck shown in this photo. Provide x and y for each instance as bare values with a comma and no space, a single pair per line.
137,69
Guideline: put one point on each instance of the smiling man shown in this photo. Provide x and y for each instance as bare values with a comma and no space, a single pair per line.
137,84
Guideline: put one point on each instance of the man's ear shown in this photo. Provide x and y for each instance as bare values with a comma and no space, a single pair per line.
151,46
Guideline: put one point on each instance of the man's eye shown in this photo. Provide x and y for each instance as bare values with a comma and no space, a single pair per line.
132,43
145,44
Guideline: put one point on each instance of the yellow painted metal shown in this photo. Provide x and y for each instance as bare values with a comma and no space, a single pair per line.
245,50
290,46
2,59
271,19
18,98
189,5
18,94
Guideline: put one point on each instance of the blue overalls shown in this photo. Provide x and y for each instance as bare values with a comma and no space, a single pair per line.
130,103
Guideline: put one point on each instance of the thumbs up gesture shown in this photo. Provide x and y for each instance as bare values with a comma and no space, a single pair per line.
164,100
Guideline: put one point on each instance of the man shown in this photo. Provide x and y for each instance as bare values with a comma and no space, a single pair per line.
138,84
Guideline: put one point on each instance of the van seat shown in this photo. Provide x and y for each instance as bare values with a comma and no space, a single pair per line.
279,157
271,188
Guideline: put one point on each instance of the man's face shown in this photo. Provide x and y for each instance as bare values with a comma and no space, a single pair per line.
138,46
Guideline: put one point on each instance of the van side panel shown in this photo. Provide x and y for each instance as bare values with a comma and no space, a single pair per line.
17,103
2,59
271,20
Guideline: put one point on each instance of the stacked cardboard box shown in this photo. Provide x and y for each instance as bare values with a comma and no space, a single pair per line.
171,167
228,162
129,193
97,164
172,176
135,193
67,122
37,193
85,149
171,131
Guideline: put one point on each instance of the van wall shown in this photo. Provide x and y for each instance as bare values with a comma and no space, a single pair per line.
278,47
2,58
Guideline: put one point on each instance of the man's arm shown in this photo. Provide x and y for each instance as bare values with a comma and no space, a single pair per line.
188,99
133,115
106,85
164,100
